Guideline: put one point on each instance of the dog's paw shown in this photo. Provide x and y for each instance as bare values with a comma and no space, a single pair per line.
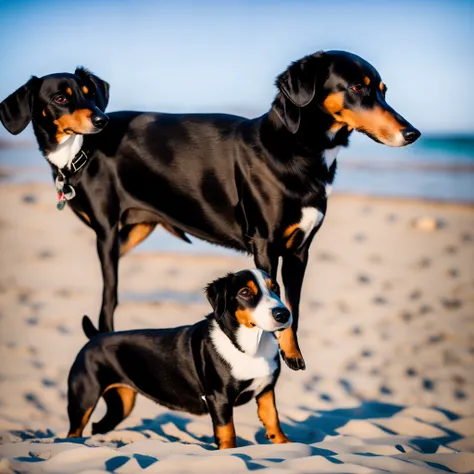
294,363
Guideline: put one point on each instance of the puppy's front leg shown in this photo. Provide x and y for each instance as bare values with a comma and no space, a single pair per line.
268,414
220,409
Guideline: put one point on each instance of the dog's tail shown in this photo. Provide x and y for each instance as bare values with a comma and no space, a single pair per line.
88,327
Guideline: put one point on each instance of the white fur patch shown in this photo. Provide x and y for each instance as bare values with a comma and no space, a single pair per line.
310,219
330,155
262,314
256,363
66,150
328,189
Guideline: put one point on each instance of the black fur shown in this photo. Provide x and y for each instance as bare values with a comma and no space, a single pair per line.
231,181
175,367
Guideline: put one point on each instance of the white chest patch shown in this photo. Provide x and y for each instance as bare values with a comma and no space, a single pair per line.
310,219
256,363
67,149
330,155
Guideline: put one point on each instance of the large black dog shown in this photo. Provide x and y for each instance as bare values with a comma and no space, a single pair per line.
258,186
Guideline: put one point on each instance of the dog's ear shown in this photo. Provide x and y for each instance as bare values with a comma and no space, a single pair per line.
101,88
216,294
17,109
297,87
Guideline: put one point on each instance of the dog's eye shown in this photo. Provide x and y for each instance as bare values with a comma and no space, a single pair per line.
358,88
60,99
245,293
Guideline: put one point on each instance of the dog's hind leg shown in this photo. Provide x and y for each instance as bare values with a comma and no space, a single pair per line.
120,401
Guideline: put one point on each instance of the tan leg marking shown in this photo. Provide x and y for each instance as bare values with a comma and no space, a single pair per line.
85,419
268,414
128,396
287,343
226,435
137,234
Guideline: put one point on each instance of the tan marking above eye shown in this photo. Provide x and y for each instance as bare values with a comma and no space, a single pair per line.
382,86
44,113
269,283
366,80
69,91
252,287
85,90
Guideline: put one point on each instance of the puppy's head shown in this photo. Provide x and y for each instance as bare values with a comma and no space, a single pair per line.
248,298
350,93
62,104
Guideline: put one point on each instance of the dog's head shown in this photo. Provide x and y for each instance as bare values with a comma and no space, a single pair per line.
350,93
62,104
249,298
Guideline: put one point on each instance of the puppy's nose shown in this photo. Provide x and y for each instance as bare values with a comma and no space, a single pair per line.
281,315
410,134
99,121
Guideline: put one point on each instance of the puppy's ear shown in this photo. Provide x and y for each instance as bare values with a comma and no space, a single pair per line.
297,86
216,294
17,109
100,87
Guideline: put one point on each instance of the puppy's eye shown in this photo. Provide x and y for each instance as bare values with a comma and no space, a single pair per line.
60,99
245,293
358,88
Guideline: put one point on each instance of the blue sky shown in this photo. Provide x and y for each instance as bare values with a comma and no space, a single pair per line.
224,55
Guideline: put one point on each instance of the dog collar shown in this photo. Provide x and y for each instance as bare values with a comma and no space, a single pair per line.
64,190
79,161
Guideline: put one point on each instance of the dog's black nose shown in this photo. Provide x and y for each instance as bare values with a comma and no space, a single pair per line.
282,315
99,121
410,134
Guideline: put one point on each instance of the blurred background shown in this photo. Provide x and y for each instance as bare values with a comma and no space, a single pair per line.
223,56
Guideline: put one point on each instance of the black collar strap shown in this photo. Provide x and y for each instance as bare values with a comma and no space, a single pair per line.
79,161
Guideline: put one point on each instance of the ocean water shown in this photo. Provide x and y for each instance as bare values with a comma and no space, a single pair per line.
435,167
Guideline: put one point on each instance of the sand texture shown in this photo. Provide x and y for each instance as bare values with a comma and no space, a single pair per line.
387,332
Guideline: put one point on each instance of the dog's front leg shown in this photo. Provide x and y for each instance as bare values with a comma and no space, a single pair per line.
108,249
268,414
220,409
293,270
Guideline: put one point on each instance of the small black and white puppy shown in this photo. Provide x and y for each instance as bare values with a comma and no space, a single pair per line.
220,362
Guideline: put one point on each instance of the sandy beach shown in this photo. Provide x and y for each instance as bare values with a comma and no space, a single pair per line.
387,331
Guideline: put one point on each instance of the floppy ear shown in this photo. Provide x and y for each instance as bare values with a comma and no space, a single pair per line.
297,86
100,87
17,109
216,294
